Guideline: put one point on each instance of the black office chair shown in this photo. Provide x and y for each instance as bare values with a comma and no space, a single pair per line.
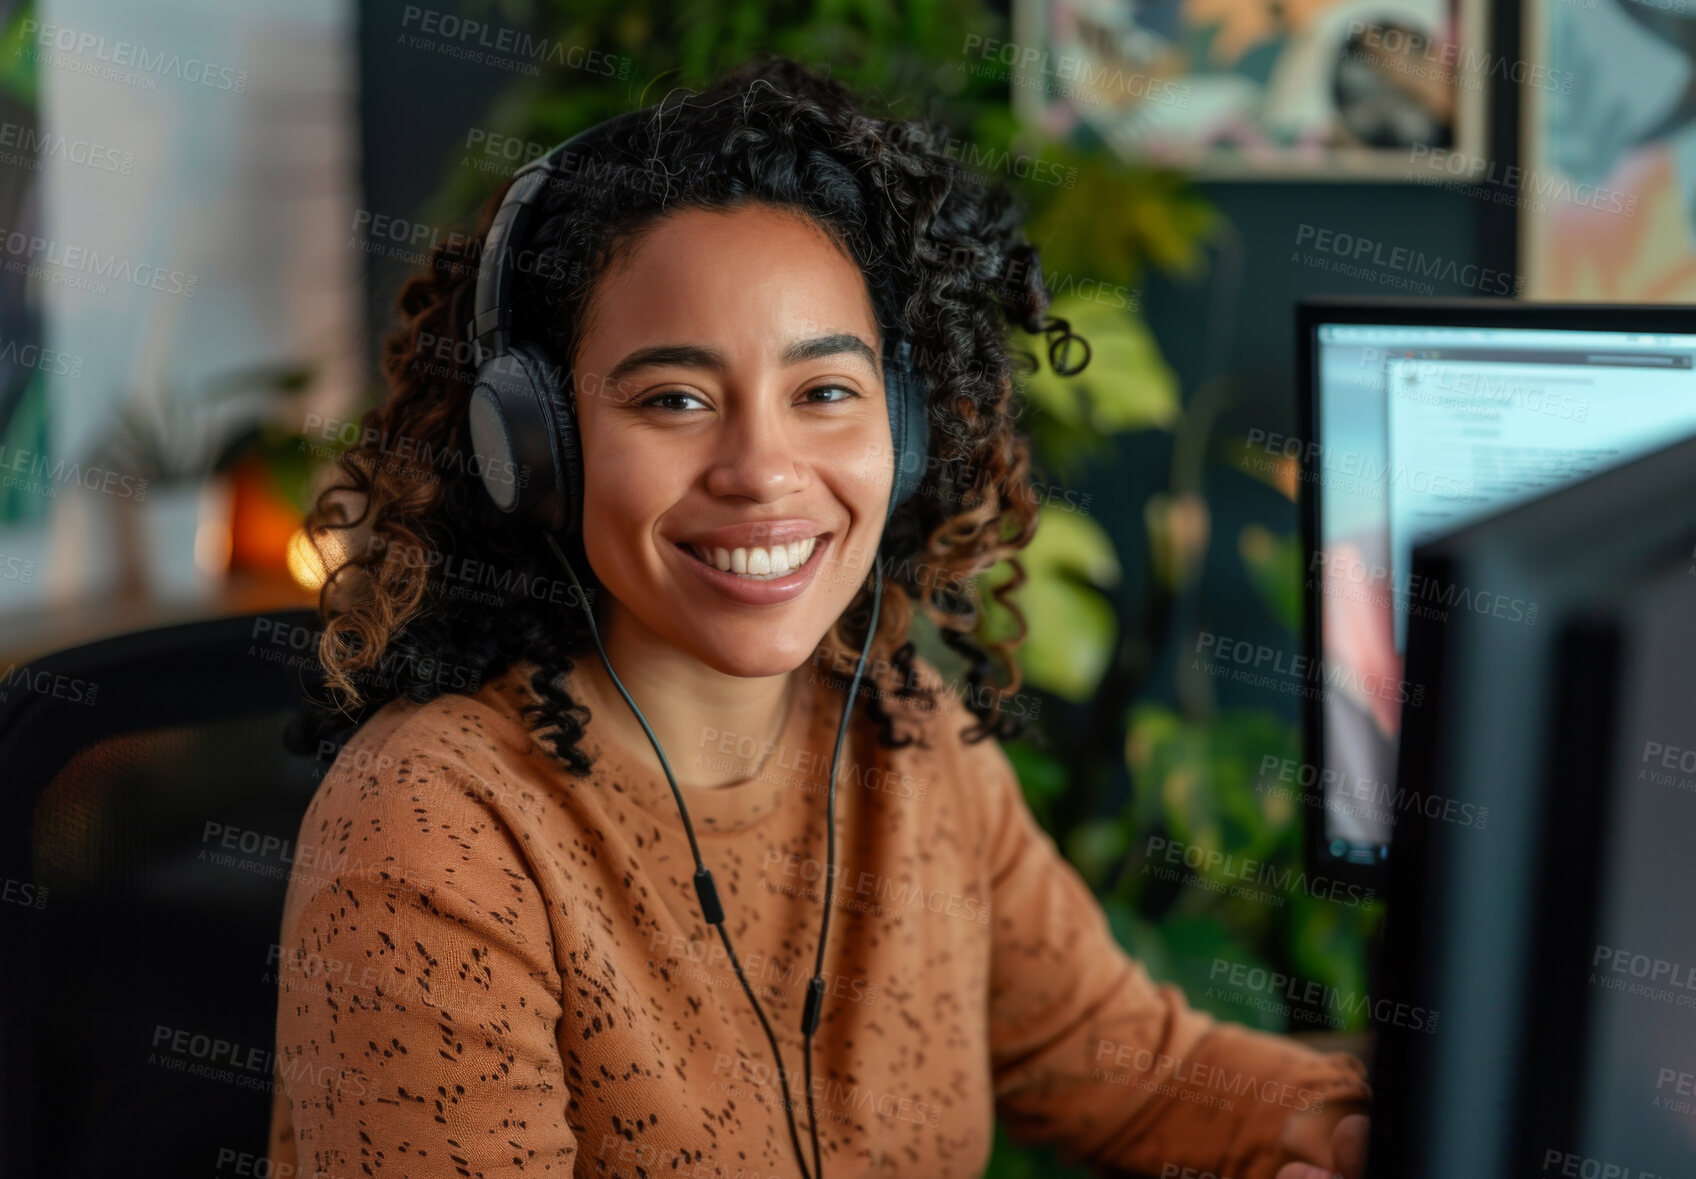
148,815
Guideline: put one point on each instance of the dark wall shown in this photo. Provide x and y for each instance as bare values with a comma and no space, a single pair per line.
415,110
1238,321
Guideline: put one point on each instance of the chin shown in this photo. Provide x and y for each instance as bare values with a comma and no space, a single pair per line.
756,659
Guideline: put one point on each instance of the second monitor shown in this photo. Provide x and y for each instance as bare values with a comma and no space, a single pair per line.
1420,417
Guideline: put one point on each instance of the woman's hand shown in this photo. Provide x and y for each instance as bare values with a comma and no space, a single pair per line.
1347,1150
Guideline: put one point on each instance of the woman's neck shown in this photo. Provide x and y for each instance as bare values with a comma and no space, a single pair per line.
692,708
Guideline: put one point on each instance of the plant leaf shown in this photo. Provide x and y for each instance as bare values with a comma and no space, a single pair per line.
1072,628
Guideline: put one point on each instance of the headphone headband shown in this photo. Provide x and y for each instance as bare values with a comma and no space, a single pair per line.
491,321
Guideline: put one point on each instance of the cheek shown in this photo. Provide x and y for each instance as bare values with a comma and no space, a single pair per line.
623,496
864,469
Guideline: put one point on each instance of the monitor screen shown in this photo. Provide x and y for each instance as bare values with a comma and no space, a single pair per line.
1423,419
1550,953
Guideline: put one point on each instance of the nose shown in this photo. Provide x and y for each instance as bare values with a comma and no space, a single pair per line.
758,456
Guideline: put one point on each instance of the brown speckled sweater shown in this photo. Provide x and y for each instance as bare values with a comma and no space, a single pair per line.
491,967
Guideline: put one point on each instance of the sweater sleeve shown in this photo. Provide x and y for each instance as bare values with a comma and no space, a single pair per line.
1092,1057
418,997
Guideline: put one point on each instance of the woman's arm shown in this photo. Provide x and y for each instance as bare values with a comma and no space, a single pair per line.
418,994
1091,1056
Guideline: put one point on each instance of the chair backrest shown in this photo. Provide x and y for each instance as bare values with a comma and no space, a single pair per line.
148,815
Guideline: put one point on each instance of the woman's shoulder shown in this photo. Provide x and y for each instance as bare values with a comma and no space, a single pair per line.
457,756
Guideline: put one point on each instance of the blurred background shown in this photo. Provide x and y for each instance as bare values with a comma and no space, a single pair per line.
207,208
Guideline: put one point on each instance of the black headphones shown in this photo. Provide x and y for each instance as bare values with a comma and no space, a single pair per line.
523,421
523,424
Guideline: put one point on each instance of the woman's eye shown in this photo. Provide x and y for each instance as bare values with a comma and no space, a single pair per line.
670,399
842,389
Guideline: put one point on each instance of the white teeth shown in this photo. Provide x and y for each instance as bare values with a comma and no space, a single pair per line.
775,561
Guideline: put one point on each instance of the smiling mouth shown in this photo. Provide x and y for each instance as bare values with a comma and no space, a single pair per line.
757,563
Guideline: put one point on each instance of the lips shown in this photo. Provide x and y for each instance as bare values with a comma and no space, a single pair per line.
758,560
758,549
762,533
757,589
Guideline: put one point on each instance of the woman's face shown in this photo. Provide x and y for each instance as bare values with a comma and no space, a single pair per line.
731,406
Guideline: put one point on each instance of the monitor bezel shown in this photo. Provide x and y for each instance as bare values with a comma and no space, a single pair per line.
1313,313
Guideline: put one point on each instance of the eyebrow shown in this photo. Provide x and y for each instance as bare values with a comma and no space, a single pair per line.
703,356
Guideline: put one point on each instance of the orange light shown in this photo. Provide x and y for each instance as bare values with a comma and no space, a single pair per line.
304,563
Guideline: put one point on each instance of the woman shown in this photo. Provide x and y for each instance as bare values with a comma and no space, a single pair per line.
502,961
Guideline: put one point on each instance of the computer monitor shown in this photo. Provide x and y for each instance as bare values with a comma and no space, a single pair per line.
1418,417
1538,974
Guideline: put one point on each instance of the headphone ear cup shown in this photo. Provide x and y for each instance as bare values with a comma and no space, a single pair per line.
906,392
524,438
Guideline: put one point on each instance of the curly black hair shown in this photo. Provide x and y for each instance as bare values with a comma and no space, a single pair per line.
947,267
